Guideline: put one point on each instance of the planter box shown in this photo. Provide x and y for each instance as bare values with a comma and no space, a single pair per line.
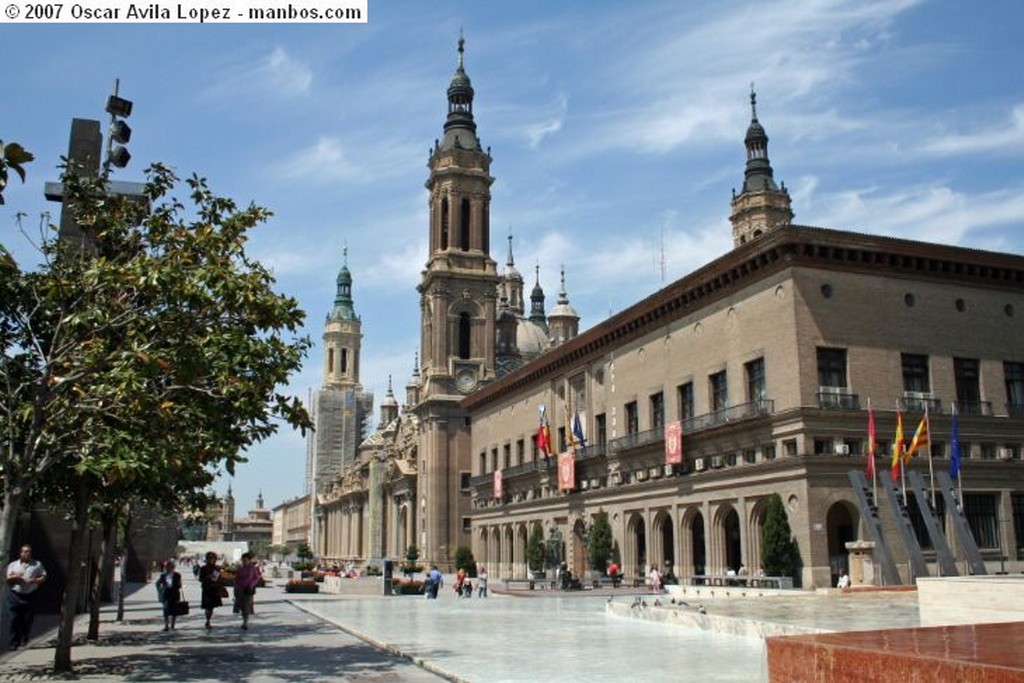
302,587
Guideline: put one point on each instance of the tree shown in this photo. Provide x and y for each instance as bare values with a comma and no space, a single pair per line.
12,157
144,361
599,547
535,549
780,555
464,560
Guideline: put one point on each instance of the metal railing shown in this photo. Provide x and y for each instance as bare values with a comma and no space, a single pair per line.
838,400
919,404
974,408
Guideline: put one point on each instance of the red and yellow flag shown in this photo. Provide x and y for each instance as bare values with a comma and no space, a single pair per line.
898,447
872,444
920,440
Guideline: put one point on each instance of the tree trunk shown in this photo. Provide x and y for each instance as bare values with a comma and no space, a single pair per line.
72,587
124,562
102,571
8,515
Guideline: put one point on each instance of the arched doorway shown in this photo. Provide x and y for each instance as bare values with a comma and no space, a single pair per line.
698,546
841,523
635,561
731,536
663,546
580,552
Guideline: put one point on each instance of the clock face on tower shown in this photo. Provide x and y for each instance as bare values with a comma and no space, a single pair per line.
465,379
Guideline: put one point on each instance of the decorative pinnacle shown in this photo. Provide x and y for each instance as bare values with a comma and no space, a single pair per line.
511,261
462,48
753,103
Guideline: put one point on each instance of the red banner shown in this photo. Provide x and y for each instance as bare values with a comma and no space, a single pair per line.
566,471
674,443
497,484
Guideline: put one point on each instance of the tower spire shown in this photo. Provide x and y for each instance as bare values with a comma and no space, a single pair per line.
762,205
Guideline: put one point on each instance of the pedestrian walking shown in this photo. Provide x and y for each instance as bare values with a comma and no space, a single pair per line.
170,594
247,578
212,591
24,577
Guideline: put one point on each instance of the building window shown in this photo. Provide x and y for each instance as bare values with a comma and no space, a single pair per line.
444,223
750,456
980,510
1017,501
988,451
464,327
344,361
561,440
464,480
464,216
755,381
1014,374
520,451
823,446
494,459
467,525
789,445
601,426
831,367
768,451
507,453
657,410
632,418
719,391
968,389
483,462
685,392
915,373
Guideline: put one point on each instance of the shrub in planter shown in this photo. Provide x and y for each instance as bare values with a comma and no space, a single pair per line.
301,586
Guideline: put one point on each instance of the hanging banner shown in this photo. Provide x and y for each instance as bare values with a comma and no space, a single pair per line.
674,443
566,471
497,484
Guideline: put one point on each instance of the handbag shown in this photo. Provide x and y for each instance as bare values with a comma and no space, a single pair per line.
180,608
223,592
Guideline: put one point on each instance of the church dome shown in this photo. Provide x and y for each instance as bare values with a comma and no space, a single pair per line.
531,338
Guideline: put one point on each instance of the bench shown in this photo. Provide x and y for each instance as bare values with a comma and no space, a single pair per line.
606,581
527,584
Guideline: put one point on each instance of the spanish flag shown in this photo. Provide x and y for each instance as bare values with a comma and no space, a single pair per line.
920,439
897,447
872,444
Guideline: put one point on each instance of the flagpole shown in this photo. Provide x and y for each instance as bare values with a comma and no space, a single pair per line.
871,454
931,470
901,462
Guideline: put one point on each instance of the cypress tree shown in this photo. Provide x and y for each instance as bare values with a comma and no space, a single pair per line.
780,555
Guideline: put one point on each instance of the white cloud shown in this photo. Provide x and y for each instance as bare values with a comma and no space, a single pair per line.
928,213
277,75
325,161
1006,138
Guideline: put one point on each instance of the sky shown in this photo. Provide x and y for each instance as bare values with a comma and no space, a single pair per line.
616,133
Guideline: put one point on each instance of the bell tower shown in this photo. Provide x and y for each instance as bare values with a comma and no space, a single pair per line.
762,205
458,305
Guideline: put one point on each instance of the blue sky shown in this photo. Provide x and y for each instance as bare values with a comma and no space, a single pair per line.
617,136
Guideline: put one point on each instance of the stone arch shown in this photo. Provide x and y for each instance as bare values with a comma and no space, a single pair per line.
634,556
507,539
726,547
521,570
841,523
693,545
756,514
580,552
662,543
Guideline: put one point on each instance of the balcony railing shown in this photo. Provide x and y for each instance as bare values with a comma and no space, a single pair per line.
635,439
742,411
914,403
974,408
596,450
522,468
838,399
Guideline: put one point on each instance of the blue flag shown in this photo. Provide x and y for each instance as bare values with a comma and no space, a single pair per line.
577,430
954,449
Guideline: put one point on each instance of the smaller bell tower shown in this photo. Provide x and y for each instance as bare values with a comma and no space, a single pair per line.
762,205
